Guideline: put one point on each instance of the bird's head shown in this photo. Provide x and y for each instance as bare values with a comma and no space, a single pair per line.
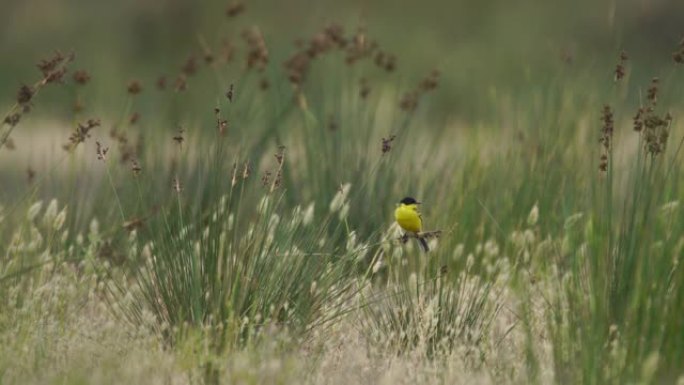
409,201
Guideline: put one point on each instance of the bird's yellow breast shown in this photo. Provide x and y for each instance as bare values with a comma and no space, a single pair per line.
408,218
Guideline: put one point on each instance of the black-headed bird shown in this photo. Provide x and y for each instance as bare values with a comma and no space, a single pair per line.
408,217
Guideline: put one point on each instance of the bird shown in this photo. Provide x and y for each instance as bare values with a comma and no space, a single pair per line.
408,217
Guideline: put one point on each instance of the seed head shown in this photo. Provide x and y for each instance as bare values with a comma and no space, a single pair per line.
176,185
30,174
409,102
430,82
246,170
12,119
257,53
620,67
133,224
638,120
24,94
264,84
208,57
190,66
233,179
101,151
179,138
134,87
364,90
280,155
81,77
135,167
53,69
652,92
387,144
181,83
235,8
266,178
229,93
606,136
46,66
133,119
82,132
678,55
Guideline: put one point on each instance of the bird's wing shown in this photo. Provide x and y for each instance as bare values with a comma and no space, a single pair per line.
420,217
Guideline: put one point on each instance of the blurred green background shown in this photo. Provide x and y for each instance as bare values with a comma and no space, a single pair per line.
478,45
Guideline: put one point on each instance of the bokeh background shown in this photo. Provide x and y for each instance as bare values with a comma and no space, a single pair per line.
504,65
477,44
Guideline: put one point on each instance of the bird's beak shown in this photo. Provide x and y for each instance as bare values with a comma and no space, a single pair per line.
419,203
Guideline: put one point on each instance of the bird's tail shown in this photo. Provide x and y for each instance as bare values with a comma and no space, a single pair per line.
423,244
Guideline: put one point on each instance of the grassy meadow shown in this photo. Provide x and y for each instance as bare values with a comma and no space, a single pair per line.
207,195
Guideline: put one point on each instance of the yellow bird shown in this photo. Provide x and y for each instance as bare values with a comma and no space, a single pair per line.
408,217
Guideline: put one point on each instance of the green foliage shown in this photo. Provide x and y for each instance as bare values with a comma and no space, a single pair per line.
211,230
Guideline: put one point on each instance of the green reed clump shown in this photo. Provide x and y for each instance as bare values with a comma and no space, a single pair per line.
436,317
237,270
434,309
616,318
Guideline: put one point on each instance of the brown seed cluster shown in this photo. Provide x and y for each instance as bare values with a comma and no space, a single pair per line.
272,179
387,144
181,83
134,87
246,170
330,39
386,61
176,185
280,159
133,224
678,55
235,8
179,138
101,151
135,167
652,92
364,88
134,118
257,53
654,128
606,139
409,102
266,179
24,95
81,133
127,149
30,174
12,119
81,77
264,84
620,70
189,68
54,68
229,93
208,56
221,124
